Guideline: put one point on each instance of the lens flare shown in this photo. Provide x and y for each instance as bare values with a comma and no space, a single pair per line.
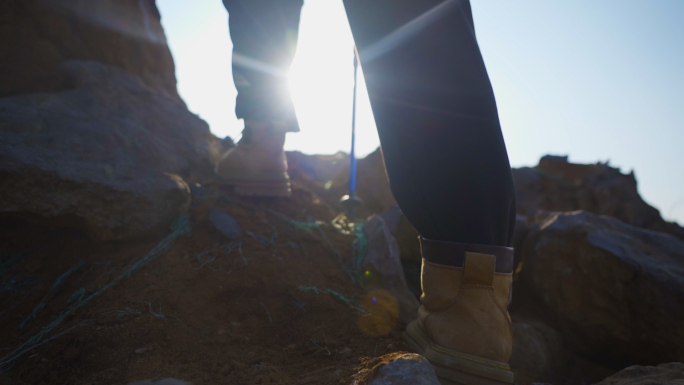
382,313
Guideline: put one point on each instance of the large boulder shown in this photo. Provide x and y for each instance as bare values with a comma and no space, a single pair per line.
615,291
558,185
106,156
40,35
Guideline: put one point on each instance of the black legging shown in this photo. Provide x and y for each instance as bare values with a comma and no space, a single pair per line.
264,35
433,104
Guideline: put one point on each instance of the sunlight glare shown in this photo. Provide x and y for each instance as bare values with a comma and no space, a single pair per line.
321,82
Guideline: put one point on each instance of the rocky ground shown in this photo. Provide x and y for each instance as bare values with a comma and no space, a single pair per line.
268,301
122,259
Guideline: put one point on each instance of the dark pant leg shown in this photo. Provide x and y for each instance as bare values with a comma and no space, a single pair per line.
436,117
264,35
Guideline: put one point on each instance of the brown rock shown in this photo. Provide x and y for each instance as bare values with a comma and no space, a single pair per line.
557,185
38,36
107,157
614,290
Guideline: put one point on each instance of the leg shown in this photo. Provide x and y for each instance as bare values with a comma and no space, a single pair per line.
448,168
437,119
264,35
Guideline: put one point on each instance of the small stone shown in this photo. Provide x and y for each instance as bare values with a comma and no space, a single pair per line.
398,369
225,223
390,347
345,352
44,360
221,331
141,351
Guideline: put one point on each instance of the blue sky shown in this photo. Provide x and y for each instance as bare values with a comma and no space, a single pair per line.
595,80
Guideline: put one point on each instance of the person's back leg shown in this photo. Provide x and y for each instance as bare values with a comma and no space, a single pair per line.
264,35
449,172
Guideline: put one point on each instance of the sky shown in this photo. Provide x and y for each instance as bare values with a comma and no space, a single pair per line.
594,80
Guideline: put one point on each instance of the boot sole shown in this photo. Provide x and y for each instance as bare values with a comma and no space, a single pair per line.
453,367
260,187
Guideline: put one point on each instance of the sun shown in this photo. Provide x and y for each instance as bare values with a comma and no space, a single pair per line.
321,82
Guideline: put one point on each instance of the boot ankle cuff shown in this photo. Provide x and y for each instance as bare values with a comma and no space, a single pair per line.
453,253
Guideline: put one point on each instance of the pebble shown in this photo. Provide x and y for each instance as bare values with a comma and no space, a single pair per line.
390,347
402,369
141,350
225,223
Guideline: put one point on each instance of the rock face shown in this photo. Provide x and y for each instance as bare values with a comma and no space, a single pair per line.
106,156
670,373
94,134
557,185
615,291
40,35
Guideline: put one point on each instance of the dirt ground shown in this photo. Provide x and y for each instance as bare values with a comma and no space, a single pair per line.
274,305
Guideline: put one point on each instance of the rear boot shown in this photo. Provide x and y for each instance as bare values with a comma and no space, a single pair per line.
257,166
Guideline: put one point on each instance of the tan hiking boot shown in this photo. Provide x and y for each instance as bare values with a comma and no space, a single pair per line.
463,327
257,166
